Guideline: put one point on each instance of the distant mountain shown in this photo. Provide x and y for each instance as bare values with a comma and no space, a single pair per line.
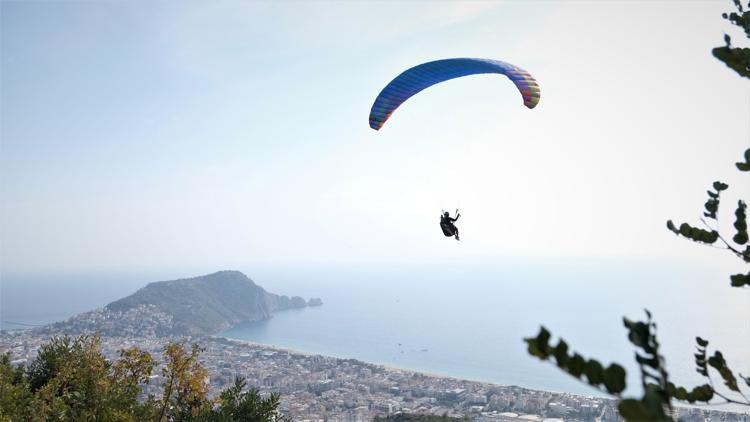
194,306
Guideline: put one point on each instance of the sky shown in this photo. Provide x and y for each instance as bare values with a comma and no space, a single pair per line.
152,135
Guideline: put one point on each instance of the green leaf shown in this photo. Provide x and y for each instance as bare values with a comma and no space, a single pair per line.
561,353
686,230
576,365
737,59
539,346
720,186
701,342
679,393
638,333
702,393
700,364
672,228
712,205
614,378
698,235
717,362
739,280
594,372
746,165
636,410
709,237
740,223
652,362
740,238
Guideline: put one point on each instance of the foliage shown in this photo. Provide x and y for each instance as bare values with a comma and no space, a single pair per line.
711,236
238,405
16,398
185,392
128,373
404,417
611,379
736,58
658,392
655,404
71,380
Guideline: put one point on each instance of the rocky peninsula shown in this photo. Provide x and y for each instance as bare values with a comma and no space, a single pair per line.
195,306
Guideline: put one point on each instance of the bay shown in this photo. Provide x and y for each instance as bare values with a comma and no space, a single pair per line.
460,319
469,321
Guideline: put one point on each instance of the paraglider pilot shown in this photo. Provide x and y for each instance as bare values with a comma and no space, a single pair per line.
446,223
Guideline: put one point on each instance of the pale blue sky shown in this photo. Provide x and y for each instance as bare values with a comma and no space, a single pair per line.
140,135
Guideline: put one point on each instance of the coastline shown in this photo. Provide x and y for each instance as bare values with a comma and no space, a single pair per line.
396,368
317,387
720,407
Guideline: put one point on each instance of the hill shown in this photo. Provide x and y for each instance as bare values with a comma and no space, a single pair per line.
194,306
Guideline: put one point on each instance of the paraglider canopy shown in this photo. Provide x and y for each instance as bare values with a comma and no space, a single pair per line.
414,80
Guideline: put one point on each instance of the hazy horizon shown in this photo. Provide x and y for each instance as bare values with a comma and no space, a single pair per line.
470,318
195,135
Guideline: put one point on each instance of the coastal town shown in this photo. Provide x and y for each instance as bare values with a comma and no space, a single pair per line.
322,388
312,387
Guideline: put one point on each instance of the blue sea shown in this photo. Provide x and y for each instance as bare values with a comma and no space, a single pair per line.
460,319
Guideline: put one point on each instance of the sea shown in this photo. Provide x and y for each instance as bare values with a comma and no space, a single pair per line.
457,319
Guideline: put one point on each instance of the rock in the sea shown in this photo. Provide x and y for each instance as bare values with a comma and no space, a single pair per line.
298,302
315,301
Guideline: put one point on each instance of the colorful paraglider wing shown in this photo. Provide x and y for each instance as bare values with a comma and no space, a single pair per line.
425,75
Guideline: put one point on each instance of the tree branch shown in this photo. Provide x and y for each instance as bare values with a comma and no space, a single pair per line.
728,246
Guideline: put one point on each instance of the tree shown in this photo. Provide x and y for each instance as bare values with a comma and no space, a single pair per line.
185,392
129,373
235,405
16,398
658,392
405,417
71,380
